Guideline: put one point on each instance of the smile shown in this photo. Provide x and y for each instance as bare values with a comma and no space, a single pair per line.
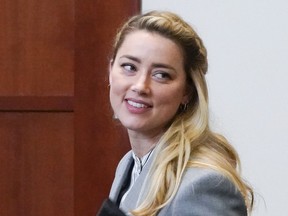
136,105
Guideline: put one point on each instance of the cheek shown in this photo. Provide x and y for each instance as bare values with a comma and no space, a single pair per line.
114,94
117,81
117,90
170,97
114,100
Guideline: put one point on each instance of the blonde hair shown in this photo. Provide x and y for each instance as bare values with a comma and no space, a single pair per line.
188,140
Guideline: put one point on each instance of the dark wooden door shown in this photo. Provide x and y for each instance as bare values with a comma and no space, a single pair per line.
58,143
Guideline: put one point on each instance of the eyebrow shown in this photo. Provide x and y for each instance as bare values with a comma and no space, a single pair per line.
160,65
157,65
131,58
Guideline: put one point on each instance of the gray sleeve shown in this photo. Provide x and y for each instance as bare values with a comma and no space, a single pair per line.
206,193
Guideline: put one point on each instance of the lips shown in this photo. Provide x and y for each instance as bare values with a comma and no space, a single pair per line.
137,106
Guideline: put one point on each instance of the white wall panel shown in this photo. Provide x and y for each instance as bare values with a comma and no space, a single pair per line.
247,43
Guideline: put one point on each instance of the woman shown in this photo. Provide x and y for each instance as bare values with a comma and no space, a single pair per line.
177,165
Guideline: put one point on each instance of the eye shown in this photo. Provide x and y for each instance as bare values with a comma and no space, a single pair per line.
128,67
162,76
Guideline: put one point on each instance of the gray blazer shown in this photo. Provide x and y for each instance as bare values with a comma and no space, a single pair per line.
202,192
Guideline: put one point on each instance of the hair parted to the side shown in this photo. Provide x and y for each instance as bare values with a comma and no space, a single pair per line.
188,140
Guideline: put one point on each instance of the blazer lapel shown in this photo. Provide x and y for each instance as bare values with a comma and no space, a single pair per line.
120,176
138,191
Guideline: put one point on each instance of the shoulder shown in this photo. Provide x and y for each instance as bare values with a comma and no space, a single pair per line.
202,179
206,192
119,174
126,157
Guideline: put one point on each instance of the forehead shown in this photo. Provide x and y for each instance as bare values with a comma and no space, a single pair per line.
145,43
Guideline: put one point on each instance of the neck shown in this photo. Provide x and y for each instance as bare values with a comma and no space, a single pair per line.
141,144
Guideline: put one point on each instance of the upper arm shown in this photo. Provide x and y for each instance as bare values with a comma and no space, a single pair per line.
209,194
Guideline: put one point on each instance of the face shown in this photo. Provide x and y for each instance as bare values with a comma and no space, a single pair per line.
147,82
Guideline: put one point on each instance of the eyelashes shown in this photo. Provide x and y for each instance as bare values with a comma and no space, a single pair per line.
129,67
159,75
162,75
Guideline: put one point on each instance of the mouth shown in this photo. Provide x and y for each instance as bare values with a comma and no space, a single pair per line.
138,104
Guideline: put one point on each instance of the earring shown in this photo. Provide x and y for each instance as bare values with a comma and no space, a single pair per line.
115,117
184,107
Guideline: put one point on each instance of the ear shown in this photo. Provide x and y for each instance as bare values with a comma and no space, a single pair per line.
186,96
110,69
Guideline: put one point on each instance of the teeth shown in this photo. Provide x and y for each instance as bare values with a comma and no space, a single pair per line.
137,105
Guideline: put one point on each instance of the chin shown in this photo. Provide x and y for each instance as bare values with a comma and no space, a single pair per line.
134,128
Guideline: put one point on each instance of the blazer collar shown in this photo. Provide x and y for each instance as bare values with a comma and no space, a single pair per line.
138,191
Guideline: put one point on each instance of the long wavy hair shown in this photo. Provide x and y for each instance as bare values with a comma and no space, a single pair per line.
188,140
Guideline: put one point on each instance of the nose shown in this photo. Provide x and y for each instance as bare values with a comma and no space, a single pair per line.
141,85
